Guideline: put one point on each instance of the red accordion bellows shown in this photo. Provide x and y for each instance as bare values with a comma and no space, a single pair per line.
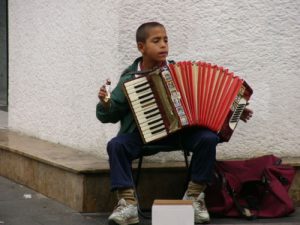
187,94
208,92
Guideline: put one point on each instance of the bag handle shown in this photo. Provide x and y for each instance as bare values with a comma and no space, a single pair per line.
245,212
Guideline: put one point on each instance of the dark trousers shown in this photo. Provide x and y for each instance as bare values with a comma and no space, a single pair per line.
123,149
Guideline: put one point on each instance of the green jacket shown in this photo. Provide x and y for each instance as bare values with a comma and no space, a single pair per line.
119,109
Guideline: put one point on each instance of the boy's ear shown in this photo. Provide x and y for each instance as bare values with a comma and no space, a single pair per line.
141,46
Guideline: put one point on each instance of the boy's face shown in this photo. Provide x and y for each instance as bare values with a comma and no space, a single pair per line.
155,48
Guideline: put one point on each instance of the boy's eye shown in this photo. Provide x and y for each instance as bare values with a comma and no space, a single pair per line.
157,40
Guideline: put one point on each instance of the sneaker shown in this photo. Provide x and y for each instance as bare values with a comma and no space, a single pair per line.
124,214
200,210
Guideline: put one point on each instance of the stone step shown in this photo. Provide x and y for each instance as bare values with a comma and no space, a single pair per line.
81,180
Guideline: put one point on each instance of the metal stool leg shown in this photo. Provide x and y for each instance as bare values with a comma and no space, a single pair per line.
137,178
136,182
186,158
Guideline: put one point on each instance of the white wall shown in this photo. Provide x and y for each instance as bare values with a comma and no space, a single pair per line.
60,52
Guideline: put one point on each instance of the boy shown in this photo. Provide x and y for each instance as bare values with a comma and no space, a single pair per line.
152,42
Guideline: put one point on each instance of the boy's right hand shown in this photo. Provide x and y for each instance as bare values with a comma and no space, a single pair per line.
101,95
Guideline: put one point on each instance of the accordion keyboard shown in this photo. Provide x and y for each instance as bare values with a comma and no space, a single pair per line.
146,109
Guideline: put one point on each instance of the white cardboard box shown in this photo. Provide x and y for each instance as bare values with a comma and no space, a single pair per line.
172,212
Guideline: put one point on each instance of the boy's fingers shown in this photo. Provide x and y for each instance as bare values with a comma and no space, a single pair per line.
102,88
102,92
250,111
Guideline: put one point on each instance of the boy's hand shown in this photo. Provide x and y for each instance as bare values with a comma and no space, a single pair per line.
102,95
246,115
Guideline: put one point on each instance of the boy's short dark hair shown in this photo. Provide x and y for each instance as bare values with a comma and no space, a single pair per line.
142,31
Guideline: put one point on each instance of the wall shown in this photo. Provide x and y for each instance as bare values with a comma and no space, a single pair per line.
62,51
3,53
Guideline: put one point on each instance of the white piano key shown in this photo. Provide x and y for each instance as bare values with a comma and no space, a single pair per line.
135,96
141,107
156,136
136,90
146,126
146,111
135,82
142,101
143,118
143,121
150,114
150,131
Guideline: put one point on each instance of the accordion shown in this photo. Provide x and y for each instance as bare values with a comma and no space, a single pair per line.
187,94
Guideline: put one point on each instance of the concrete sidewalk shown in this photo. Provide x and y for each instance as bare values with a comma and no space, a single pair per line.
22,206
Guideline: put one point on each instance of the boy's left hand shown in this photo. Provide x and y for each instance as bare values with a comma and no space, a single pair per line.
246,115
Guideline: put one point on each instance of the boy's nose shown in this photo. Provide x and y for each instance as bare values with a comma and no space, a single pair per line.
163,44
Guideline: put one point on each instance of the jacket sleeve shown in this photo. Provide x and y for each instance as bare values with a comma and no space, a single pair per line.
118,108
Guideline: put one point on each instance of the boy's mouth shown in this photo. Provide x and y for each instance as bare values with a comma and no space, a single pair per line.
165,54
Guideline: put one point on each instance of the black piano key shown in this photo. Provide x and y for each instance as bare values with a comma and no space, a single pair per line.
141,85
154,121
157,131
156,126
149,111
145,95
144,101
152,115
141,90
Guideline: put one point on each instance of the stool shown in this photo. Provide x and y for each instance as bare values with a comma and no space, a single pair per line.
151,150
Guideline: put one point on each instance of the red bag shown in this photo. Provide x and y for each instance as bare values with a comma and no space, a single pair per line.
251,188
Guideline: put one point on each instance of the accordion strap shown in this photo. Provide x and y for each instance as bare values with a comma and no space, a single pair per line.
142,72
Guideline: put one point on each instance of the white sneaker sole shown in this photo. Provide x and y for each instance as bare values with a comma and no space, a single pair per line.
129,222
204,221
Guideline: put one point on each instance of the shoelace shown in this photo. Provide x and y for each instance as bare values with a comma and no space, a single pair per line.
119,207
200,205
